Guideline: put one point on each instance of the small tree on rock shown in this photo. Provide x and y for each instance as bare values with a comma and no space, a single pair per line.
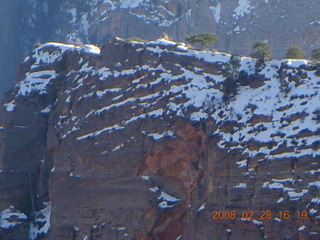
229,88
315,54
231,72
261,50
295,52
204,39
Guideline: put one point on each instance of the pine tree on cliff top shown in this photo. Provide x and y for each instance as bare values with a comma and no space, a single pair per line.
261,50
204,39
295,52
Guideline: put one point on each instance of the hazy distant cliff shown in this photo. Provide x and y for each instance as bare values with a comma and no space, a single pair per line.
135,141
10,45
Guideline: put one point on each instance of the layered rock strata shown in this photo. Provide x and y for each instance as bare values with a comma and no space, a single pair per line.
141,141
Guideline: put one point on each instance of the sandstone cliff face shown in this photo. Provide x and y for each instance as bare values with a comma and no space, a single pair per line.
135,141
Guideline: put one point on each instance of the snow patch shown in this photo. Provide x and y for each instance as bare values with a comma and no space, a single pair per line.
154,189
10,218
35,82
96,133
257,222
188,15
203,206
85,24
295,62
10,106
41,225
241,185
216,11
157,136
118,147
73,12
145,178
313,211
167,200
123,4
280,200
242,163
90,48
46,110
315,184
244,7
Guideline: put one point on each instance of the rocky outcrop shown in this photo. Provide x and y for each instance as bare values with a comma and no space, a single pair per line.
237,23
137,141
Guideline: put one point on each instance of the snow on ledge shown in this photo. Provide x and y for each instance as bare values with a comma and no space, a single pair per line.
41,225
240,185
167,200
162,41
123,4
10,218
36,81
10,106
295,62
157,136
203,206
90,48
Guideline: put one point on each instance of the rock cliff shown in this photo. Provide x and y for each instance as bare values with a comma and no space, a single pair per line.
238,23
142,141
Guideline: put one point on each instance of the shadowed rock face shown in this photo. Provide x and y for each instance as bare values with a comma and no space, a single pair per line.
135,141
11,49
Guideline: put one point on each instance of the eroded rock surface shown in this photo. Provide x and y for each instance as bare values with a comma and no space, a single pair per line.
137,141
